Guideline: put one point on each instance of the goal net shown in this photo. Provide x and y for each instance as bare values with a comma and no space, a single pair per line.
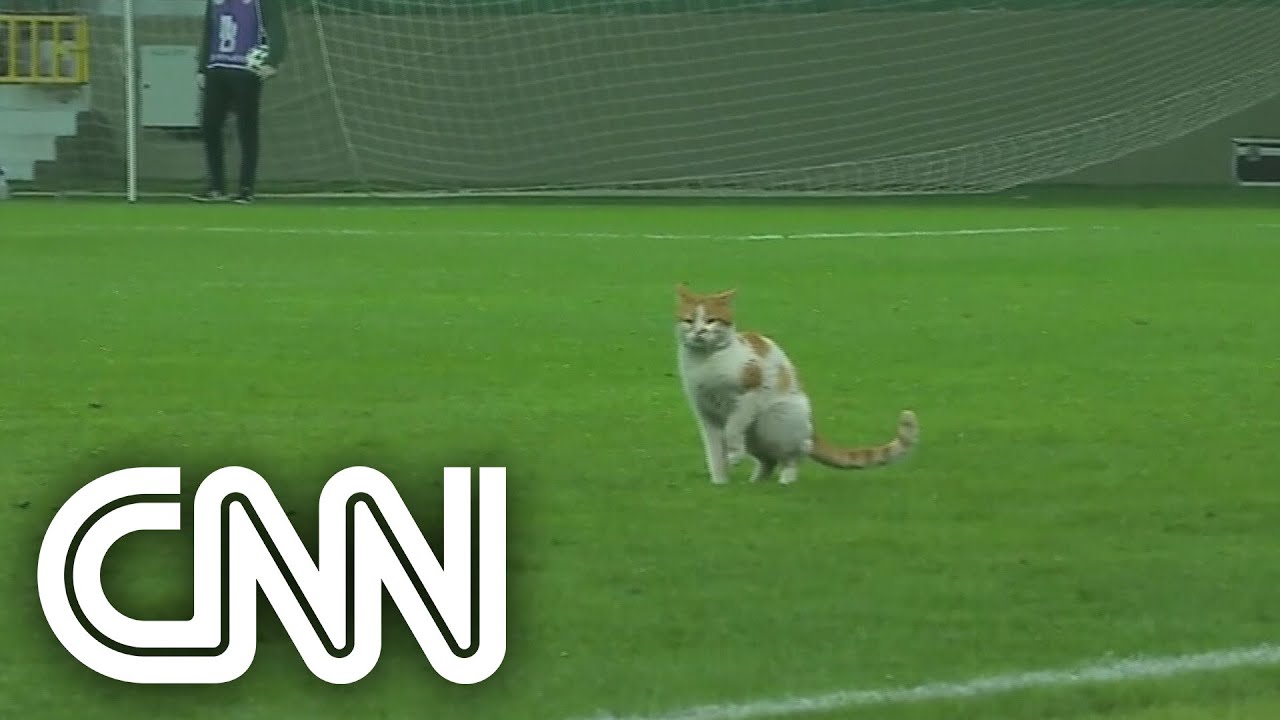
684,97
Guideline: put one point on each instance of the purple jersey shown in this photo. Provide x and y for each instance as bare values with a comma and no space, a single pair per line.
236,29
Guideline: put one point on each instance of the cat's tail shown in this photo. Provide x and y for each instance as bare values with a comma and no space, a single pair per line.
872,456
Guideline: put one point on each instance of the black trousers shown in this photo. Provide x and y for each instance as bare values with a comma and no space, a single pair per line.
227,91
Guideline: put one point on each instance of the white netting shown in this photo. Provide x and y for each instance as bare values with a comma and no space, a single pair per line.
696,97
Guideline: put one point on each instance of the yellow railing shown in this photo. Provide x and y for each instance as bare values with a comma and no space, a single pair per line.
44,49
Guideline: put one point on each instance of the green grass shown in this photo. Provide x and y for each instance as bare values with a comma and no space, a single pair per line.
1096,474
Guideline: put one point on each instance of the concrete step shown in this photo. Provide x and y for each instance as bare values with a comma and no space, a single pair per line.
19,170
51,122
19,154
33,145
60,98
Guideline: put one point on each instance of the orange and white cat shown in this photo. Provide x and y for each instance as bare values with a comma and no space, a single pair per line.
747,399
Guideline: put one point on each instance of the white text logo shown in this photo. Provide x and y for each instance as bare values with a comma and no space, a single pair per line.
71,556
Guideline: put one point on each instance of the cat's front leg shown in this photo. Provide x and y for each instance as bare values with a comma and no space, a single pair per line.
735,429
713,444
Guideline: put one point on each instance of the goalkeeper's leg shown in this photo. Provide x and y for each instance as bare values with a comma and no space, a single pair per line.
215,104
248,108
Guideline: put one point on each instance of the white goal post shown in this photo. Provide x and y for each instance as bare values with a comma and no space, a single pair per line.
679,97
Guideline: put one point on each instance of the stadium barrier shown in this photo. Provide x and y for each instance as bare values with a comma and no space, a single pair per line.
44,49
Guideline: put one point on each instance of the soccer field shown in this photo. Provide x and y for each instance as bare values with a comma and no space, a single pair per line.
1097,385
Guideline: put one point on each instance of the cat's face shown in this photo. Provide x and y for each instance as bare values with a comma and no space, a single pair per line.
704,322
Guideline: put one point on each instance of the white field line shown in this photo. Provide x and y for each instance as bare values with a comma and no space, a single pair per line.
430,231
1138,668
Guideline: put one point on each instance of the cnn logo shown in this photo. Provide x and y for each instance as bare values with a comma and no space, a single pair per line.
71,555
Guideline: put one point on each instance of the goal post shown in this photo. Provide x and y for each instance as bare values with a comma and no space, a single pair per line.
678,97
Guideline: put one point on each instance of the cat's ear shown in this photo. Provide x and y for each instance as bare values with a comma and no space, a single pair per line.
726,294
682,289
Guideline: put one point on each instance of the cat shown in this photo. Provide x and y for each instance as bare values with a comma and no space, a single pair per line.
746,397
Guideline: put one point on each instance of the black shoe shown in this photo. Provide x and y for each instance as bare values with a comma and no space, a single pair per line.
244,198
209,196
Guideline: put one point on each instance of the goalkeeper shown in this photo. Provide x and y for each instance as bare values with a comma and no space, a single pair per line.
242,45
